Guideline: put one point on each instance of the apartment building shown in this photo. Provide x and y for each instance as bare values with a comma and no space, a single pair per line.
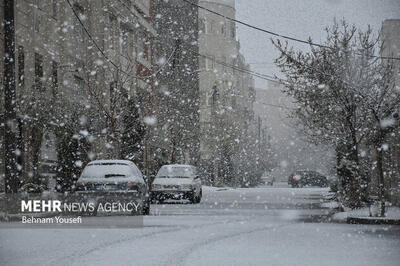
390,34
76,54
177,76
226,89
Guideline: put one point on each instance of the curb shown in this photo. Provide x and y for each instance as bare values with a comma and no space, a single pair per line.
361,220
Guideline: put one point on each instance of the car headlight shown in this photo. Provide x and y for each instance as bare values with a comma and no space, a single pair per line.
186,186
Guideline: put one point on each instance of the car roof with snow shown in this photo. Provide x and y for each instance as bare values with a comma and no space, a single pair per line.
178,165
177,170
105,162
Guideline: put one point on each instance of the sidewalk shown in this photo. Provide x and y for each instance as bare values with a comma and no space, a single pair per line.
362,216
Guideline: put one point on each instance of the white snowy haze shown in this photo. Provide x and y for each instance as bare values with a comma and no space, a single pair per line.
299,19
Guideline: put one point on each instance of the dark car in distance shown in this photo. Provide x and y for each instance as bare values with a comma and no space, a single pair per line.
307,178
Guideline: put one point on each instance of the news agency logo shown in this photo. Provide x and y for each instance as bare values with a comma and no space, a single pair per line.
57,206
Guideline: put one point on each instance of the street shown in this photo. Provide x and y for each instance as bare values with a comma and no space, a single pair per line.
256,226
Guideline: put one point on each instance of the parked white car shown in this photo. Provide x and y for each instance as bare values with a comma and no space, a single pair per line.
177,182
114,180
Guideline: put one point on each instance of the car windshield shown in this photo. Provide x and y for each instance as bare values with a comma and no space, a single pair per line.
175,172
106,171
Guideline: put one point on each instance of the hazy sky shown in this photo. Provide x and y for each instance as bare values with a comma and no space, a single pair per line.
301,19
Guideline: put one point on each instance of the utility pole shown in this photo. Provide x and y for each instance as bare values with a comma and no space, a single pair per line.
10,121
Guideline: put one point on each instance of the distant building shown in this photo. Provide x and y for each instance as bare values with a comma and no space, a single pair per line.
391,48
290,149
391,43
226,92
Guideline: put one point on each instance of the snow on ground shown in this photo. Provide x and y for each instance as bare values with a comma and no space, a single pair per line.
391,213
261,226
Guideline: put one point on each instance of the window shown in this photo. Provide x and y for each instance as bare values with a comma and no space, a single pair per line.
54,77
113,88
77,25
222,28
211,26
224,63
140,45
233,30
202,25
214,95
110,29
140,48
124,42
54,8
146,47
78,85
234,102
202,62
38,71
177,54
21,67
210,63
37,20
78,31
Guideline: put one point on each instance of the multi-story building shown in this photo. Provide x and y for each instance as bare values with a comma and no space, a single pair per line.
391,43
177,79
390,34
226,89
78,54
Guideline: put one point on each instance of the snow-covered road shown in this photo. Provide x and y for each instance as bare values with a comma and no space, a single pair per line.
260,226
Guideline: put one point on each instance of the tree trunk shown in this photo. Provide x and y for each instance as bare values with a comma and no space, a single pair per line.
36,144
10,126
381,181
348,175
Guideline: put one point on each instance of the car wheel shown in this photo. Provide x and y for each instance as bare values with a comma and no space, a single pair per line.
146,210
200,196
160,200
146,207
192,198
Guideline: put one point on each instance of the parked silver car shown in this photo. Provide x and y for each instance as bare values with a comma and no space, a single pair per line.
177,182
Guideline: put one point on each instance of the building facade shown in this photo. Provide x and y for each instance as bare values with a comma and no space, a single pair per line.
73,61
177,78
226,93
390,34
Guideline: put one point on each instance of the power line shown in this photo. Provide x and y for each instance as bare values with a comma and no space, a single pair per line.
273,105
259,75
246,71
277,34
